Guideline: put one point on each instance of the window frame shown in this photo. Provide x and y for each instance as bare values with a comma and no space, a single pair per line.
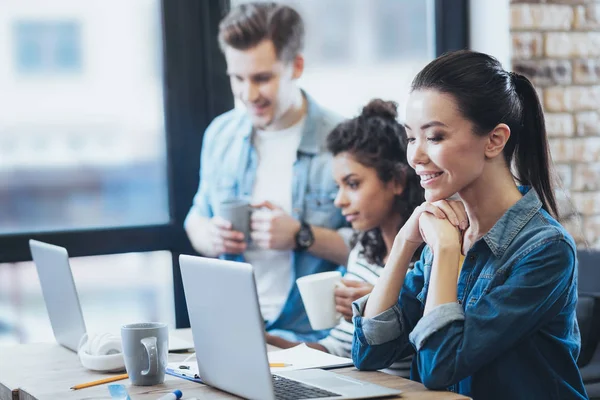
196,90
451,25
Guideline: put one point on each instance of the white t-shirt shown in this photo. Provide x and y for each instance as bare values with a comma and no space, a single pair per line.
277,153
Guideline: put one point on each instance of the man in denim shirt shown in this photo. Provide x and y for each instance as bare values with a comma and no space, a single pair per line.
273,154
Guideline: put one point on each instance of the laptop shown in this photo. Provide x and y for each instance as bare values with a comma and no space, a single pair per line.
229,338
62,301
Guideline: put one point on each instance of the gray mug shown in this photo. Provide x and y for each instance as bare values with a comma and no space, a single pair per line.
236,211
146,352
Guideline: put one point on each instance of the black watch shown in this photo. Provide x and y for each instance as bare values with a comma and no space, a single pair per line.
305,237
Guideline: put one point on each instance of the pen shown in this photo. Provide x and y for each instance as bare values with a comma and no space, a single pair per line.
279,365
100,382
176,395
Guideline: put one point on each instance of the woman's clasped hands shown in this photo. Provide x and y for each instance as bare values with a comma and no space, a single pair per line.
440,224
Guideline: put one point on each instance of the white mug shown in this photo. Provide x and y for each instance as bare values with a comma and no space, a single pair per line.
318,296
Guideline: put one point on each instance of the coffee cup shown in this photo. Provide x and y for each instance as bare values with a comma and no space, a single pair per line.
146,352
318,295
236,211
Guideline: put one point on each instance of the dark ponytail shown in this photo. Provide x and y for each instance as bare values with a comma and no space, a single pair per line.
532,155
487,95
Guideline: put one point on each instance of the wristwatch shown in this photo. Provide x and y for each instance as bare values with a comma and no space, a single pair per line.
305,237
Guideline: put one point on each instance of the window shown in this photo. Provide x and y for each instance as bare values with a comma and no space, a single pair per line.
404,29
47,47
113,290
357,50
79,157
105,164
329,44
90,152
95,157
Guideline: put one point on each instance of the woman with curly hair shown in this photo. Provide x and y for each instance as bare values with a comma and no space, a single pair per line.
378,192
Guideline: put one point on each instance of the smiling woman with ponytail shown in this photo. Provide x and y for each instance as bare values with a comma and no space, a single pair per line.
489,309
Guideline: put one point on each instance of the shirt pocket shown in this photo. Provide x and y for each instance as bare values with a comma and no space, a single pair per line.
223,189
320,210
486,281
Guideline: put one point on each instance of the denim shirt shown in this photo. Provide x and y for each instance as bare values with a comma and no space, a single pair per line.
513,332
228,169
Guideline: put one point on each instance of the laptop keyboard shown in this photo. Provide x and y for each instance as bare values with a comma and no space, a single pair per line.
287,389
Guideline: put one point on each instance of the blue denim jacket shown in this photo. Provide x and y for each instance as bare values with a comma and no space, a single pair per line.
228,169
513,332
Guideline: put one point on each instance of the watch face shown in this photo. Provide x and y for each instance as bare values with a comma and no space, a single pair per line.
304,237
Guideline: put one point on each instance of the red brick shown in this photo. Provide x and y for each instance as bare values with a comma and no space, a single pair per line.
565,174
560,124
587,17
572,98
587,203
586,149
586,71
586,177
572,44
545,72
561,150
587,123
527,45
541,17
591,228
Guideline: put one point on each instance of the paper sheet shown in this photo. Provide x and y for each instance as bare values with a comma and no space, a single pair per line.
298,357
304,357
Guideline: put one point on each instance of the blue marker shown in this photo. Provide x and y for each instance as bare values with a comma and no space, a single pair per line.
176,395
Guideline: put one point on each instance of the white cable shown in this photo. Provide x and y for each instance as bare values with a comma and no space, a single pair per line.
190,357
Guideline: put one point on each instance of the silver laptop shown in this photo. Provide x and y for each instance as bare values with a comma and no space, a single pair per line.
60,295
228,332
62,301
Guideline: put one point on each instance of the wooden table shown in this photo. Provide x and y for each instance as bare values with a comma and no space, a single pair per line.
9,378
47,371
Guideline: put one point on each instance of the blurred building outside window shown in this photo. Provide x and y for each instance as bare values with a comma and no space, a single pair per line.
47,47
82,146
113,290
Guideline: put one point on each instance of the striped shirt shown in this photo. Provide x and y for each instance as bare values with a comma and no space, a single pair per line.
339,341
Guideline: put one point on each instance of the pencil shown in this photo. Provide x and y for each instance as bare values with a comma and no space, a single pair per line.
279,365
101,381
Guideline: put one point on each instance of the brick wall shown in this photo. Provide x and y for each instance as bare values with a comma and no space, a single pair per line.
556,43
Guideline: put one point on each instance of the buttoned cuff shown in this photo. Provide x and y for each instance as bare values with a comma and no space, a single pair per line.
380,329
435,320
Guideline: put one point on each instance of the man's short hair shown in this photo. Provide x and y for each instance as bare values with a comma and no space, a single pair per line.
248,24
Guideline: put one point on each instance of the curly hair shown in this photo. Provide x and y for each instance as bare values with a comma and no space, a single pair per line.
377,140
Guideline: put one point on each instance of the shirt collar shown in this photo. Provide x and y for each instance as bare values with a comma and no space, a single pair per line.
512,222
309,143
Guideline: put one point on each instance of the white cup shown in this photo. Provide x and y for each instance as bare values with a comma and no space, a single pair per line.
318,296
